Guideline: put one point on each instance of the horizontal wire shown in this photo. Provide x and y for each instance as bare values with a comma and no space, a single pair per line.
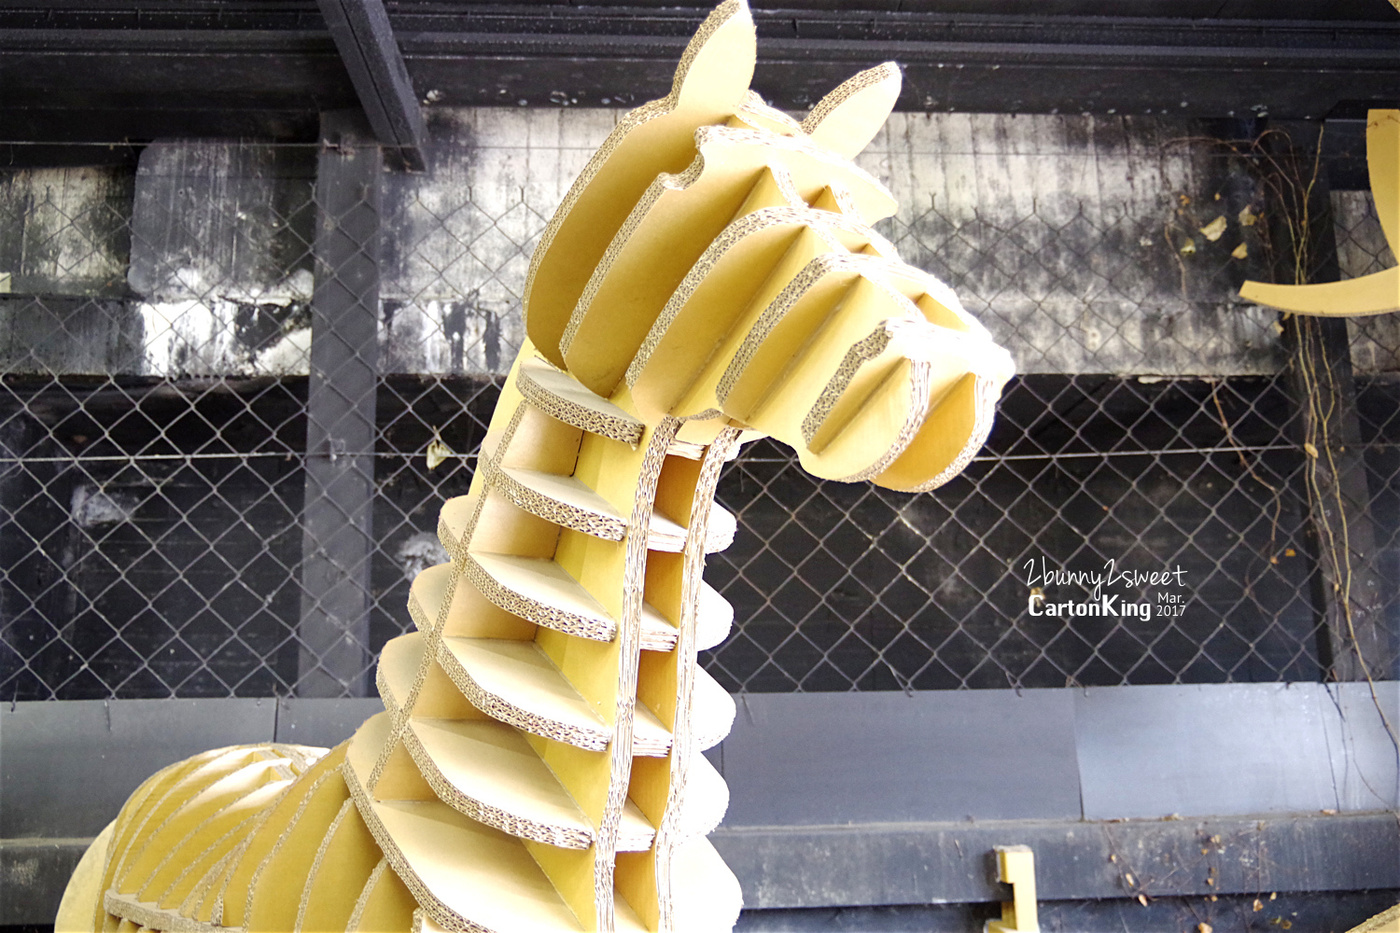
981,458
253,455
1160,452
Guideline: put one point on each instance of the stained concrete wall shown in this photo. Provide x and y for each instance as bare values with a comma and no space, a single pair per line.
1361,250
65,231
1065,236
462,233
221,256
1087,244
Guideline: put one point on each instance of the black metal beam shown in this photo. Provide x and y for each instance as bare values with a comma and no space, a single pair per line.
241,14
863,872
855,866
264,69
1339,910
911,863
337,543
1348,593
371,55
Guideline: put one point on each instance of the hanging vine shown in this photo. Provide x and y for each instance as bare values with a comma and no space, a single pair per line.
1290,177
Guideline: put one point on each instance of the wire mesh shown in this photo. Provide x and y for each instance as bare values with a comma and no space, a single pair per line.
156,323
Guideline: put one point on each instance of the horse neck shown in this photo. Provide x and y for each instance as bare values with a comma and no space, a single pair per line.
585,531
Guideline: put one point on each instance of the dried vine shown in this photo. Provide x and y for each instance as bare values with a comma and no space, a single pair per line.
1293,187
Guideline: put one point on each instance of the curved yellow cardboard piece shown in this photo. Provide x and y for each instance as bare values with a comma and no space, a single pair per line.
1378,292
847,119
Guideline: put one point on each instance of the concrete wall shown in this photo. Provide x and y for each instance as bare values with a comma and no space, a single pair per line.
1078,240
1064,234
1361,249
65,231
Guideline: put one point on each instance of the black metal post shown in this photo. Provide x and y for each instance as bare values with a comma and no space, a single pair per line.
337,541
1347,587
367,46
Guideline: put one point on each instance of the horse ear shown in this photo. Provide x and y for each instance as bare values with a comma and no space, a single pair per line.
845,120
718,62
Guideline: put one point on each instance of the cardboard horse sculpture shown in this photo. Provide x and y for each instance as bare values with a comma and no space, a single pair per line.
712,274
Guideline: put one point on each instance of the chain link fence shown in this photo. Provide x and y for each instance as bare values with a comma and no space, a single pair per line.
167,425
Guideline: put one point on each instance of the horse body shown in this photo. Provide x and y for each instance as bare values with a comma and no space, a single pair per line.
711,276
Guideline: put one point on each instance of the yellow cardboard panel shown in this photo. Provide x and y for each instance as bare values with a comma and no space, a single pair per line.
274,893
847,119
584,774
711,81
262,842
344,864
385,904
573,876
206,843
636,883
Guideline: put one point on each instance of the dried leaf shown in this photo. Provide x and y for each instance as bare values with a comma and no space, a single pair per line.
1142,899
1289,552
1240,252
1213,230
1247,217
1258,905
1188,248
1204,928
1310,450
1128,877
437,453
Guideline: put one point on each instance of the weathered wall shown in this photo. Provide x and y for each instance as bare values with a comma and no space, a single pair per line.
1084,243
221,256
65,231
1068,237
1361,249
461,235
